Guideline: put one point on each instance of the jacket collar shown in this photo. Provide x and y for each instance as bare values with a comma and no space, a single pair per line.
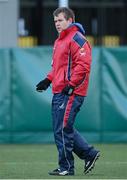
67,31
73,27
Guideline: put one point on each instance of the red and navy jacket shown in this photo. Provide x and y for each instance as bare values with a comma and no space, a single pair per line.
71,61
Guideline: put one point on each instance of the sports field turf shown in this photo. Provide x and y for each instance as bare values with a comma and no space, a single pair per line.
34,162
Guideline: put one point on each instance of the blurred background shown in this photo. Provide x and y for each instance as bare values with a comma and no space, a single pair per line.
104,21
27,34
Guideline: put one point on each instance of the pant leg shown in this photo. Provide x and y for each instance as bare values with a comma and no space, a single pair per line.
81,147
66,160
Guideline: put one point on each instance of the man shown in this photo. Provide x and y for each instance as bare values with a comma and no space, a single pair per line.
69,77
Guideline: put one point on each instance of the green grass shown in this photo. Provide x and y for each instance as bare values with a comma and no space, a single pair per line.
34,162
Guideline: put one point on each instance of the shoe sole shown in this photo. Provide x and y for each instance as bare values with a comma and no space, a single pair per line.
93,163
61,174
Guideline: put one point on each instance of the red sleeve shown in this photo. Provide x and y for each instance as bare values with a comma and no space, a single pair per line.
81,62
50,75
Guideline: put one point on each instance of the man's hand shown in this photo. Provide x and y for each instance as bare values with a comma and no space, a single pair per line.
68,90
43,85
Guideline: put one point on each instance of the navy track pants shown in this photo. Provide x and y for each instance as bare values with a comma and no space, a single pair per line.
67,138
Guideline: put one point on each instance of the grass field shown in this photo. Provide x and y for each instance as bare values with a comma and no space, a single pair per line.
34,162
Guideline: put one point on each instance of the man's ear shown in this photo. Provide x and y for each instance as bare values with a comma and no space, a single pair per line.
70,20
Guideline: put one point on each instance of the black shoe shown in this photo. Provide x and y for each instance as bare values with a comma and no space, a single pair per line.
90,163
58,172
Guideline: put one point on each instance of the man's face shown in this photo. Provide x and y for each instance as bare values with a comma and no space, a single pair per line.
61,23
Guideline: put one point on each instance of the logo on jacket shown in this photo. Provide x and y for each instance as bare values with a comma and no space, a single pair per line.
82,52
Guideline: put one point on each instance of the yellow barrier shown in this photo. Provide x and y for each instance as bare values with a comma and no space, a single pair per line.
91,40
28,41
111,41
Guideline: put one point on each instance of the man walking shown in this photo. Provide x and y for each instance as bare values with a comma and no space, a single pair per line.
70,78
